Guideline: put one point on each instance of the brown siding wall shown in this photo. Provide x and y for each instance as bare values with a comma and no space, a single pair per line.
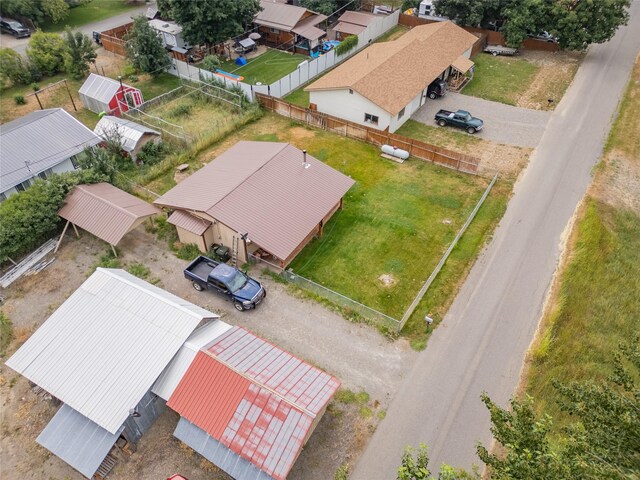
416,148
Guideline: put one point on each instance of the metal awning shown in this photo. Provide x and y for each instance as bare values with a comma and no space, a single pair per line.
77,440
247,43
217,453
462,64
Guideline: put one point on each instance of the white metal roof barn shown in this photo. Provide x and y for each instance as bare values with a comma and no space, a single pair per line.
100,353
131,135
106,345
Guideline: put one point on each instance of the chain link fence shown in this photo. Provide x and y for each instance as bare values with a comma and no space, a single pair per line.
347,304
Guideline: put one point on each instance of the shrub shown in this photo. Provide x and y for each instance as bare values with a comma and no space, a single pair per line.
31,217
13,67
144,48
188,251
139,270
181,110
347,44
46,52
6,333
210,62
152,153
79,54
35,87
128,71
19,99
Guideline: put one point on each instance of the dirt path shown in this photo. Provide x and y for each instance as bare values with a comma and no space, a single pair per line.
357,354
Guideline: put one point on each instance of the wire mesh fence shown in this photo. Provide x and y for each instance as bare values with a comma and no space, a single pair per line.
345,303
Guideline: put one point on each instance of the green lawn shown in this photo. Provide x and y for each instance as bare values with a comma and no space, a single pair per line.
92,11
298,97
438,135
501,79
393,34
153,86
267,68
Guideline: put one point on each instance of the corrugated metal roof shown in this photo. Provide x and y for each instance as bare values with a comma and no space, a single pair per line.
191,223
106,345
100,88
217,453
309,32
309,24
38,141
254,398
279,15
105,211
171,376
77,440
263,188
391,74
127,132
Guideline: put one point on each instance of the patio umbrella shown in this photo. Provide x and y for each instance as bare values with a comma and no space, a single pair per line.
255,36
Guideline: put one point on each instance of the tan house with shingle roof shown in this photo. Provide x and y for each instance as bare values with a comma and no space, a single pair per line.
386,83
267,199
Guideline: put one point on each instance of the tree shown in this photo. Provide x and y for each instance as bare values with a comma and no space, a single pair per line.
56,10
79,54
46,51
12,67
326,7
212,21
144,48
418,468
578,24
101,161
472,13
22,8
603,442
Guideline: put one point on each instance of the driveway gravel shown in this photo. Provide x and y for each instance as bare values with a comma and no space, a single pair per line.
502,123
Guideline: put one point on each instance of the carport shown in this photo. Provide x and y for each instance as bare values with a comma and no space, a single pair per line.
104,211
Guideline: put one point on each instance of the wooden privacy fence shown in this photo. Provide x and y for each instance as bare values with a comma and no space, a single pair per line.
113,39
416,148
487,36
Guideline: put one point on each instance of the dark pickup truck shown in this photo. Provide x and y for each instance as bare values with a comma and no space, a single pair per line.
461,119
207,274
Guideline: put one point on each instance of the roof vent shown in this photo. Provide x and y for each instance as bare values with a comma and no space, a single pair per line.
305,164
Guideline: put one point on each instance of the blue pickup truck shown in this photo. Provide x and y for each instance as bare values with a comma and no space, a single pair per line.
460,119
236,286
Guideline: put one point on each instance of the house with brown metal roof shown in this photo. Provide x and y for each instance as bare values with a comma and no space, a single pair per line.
265,199
383,85
289,27
350,23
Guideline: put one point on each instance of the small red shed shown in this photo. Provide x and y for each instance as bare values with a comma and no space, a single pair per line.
104,94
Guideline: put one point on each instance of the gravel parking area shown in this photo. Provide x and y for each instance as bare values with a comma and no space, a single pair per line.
357,354
505,124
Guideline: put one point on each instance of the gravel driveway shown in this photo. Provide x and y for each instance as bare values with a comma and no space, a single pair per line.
502,123
357,354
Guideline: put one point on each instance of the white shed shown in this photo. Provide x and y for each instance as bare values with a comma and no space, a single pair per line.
103,94
132,136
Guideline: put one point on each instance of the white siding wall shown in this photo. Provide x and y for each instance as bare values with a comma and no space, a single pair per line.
352,107
64,166
409,110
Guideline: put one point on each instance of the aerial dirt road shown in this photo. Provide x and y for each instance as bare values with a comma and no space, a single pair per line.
482,341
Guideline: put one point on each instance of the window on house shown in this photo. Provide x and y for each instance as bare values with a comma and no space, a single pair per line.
21,187
350,92
47,173
370,118
74,161
401,114
274,30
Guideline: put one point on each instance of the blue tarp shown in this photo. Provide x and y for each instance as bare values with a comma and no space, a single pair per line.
241,61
